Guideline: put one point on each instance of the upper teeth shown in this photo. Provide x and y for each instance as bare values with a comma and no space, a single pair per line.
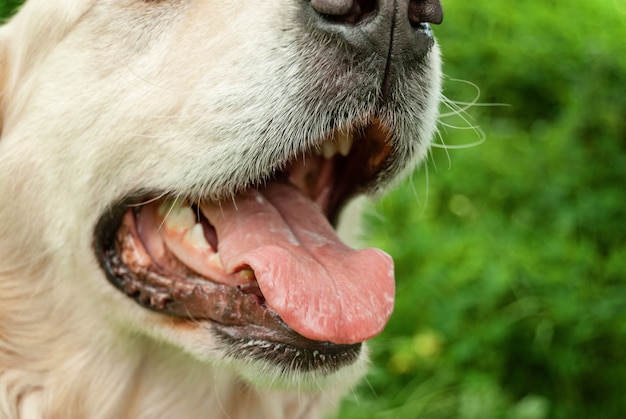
344,141
340,142
195,236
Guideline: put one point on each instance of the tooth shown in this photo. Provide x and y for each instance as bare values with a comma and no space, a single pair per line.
344,142
329,149
165,207
195,237
247,275
178,216
216,260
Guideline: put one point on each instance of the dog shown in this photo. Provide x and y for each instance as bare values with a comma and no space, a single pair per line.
174,179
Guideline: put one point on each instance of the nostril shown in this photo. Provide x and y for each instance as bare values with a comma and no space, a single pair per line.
332,7
425,11
345,11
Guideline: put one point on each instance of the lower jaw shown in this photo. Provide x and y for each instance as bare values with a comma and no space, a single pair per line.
242,324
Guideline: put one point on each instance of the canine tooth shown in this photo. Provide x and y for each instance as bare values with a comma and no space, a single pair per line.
177,215
195,236
329,149
344,142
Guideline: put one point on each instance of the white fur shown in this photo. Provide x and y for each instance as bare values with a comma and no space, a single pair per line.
101,98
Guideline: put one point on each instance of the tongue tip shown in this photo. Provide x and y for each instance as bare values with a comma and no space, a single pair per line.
342,331
348,305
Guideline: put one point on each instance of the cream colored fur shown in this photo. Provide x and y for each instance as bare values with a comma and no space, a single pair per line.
101,98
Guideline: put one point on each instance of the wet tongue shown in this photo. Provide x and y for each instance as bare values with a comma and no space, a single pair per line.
321,288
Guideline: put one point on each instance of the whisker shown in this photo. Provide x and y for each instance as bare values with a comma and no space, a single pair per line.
169,211
148,201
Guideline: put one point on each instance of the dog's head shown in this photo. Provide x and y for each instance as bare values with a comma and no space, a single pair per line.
179,168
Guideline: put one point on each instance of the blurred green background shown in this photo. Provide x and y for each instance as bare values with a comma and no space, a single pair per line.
511,254
510,242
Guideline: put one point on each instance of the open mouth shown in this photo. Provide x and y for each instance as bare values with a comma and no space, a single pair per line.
267,265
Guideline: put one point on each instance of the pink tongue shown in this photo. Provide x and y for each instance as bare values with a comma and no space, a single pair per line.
320,287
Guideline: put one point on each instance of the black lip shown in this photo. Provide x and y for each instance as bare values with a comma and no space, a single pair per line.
321,357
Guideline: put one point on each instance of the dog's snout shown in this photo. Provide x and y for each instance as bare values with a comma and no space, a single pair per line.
396,29
356,11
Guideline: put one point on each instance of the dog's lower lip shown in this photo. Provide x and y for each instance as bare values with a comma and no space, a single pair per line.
298,354
185,293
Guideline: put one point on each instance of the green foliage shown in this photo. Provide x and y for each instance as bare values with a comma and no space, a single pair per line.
8,6
511,255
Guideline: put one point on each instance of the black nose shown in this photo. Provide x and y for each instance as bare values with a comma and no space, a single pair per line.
398,28
356,11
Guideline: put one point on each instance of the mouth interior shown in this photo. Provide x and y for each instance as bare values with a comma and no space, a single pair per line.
267,261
